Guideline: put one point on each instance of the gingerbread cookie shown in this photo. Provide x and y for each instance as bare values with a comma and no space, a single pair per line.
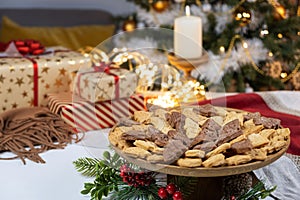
154,158
142,116
189,162
238,159
137,152
257,140
220,149
214,161
115,137
147,145
194,153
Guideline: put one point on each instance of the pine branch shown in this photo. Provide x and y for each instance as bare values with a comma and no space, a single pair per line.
257,192
139,193
187,185
105,171
87,166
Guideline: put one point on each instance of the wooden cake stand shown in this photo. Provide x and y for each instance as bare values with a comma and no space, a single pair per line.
210,180
187,65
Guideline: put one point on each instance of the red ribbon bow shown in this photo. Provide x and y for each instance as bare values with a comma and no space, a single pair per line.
31,47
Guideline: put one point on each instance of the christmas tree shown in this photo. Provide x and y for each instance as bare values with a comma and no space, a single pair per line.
254,43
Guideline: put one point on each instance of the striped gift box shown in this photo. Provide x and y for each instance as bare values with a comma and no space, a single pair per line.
84,115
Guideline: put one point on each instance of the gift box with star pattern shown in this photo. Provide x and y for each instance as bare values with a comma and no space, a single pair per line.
105,82
26,80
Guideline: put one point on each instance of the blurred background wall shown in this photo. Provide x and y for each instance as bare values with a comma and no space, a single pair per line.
116,7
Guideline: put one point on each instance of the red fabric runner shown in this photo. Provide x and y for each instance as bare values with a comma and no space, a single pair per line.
254,103
35,82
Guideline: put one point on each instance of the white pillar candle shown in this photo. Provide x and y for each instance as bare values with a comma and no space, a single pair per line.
188,36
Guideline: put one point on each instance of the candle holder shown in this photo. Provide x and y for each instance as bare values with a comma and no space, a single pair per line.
187,65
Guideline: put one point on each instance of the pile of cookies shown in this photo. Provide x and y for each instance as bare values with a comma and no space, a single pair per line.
199,136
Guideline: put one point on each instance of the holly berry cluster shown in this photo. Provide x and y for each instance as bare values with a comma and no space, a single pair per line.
170,191
136,179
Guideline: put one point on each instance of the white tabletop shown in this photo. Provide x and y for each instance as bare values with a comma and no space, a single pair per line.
58,179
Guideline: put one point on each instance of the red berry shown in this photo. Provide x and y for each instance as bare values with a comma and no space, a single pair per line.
177,196
232,198
122,174
162,193
124,168
171,188
125,179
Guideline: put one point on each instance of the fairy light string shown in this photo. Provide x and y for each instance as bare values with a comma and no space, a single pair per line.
254,65
292,73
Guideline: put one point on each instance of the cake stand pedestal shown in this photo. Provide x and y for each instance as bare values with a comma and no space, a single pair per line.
187,65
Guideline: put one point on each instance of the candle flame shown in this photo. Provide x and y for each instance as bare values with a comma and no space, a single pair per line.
187,11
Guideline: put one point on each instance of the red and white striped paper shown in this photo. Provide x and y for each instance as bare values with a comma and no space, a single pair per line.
84,115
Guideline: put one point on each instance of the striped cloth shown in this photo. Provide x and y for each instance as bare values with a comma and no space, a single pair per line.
84,115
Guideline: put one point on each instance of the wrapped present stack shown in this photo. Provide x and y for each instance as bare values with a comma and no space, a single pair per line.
102,95
86,97
29,72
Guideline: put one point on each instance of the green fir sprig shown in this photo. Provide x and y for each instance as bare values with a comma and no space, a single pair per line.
108,181
186,184
139,193
257,192
87,166
106,173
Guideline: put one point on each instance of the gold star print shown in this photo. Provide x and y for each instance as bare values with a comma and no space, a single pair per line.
62,71
11,69
14,105
31,78
47,86
110,84
22,69
42,81
45,96
58,82
24,94
2,78
3,63
86,82
9,90
11,80
5,101
45,70
19,81
31,102
100,97
3,108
